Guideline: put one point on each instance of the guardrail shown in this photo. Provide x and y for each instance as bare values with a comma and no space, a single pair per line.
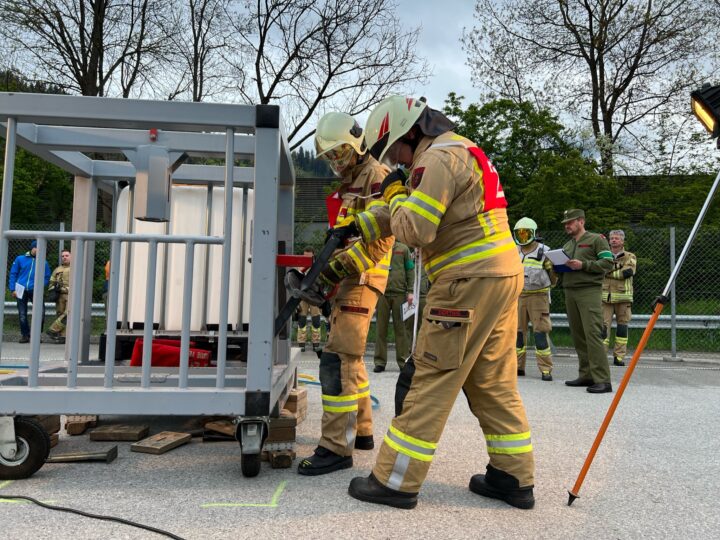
98,310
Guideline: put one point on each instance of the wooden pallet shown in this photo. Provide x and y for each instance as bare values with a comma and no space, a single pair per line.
161,442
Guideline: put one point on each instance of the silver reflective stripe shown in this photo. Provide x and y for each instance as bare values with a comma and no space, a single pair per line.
400,467
425,206
369,226
509,444
348,403
473,250
410,446
351,430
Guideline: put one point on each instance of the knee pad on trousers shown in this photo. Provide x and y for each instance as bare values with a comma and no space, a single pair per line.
621,330
302,321
541,341
330,380
316,321
520,342
402,387
604,332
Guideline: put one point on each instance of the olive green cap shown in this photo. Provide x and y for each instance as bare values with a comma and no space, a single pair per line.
575,213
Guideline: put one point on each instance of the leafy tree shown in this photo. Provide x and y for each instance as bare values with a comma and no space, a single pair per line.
615,65
541,171
42,192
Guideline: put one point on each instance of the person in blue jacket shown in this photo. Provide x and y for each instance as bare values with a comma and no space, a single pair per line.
22,285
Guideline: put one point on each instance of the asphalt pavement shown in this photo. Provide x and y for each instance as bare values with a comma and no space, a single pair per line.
654,475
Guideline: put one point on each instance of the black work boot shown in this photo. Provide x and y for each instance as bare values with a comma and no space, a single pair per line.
498,484
378,369
580,382
521,372
316,347
324,461
617,361
364,442
370,490
546,376
302,347
600,388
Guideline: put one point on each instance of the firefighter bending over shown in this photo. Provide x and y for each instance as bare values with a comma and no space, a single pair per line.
360,271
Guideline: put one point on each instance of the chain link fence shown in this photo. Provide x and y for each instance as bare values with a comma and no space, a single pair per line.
689,325
54,248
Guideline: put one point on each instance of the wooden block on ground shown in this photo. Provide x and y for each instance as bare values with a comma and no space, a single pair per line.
281,459
119,432
161,442
282,422
78,424
107,456
226,427
51,422
281,434
297,394
54,439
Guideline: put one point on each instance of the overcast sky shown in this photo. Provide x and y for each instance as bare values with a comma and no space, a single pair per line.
442,26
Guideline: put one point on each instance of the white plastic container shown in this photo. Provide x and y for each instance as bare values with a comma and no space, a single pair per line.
188,217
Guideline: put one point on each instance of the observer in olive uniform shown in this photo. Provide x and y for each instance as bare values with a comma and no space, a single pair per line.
398,291
360,272
617,295
534,303
590,260
305,309
452,207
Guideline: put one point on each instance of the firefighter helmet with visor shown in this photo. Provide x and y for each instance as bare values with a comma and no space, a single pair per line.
524,231
338,138
392,118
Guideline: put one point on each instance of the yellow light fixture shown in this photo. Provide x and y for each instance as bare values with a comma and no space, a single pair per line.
706,107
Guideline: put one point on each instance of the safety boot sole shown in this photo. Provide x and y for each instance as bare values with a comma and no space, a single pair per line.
524,501
359,489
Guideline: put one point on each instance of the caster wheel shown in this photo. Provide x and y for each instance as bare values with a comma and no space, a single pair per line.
250,464
33,448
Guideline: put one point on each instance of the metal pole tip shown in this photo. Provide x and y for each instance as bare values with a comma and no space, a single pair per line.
572,497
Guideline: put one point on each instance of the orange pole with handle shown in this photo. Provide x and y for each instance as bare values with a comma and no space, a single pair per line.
574,492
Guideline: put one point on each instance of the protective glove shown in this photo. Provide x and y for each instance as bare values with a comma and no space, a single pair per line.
332,274
344,229
393,184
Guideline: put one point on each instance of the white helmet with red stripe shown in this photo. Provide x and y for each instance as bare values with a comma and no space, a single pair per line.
392,118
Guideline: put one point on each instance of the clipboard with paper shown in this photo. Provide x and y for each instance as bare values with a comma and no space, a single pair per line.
558,258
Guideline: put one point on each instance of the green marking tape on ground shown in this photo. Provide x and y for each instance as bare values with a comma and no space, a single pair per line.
272,504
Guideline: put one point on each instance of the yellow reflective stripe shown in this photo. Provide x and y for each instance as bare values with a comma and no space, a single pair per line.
427,199
412,440
532,263
481,249
512,450
396,202
520,351
543,352
621,340
419,210
331,408
360,257
535,291
508,437
402,450
376,202
369,226
511,443
340,399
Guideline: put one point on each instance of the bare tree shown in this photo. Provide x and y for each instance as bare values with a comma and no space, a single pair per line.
93,47
311,55
617,63
198,34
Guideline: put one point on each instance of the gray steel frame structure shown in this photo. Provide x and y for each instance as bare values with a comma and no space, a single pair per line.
63,130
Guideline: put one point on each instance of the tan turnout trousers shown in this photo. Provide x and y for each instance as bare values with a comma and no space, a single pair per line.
347,409
623,315
467,341
534,309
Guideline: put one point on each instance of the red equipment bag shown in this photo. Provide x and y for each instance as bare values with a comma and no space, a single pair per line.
166,353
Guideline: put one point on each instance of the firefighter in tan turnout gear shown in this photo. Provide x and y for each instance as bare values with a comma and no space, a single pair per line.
617,291
360,272
452,207
534,303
